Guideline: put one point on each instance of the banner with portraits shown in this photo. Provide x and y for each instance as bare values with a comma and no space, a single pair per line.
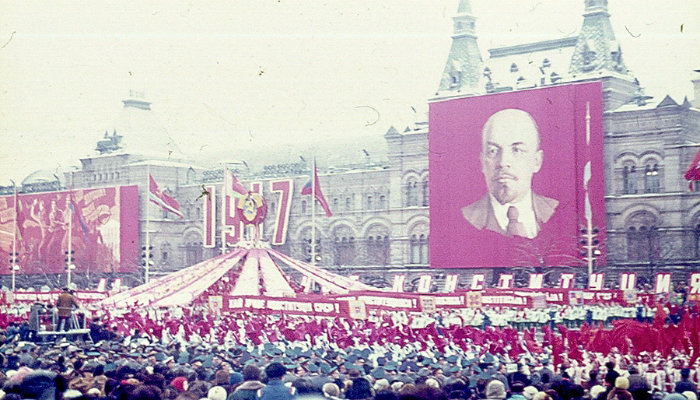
99,225
515,176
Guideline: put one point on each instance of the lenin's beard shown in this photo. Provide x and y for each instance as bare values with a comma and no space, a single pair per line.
505,191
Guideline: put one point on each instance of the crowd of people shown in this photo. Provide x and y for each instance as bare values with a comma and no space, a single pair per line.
188,353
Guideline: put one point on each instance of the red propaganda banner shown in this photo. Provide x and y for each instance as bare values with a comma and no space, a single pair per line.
304,305
390,301
83,296
514,176
505,298
103,223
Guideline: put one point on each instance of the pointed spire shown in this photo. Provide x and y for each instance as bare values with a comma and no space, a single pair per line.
596,48
463,68
464,7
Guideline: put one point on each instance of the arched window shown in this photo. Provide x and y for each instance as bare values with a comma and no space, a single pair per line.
369,203
423,248
411,194
344,252
629,179
651,179
378,246
414,257
193,252
335,203
643,238
382,202
424,193
348,204
588,54
303,207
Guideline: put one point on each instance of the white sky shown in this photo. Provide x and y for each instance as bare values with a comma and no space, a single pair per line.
219,73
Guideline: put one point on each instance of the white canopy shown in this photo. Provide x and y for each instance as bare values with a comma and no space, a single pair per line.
253,271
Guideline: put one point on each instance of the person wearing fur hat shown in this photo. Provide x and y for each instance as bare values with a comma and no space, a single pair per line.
619,392
495,390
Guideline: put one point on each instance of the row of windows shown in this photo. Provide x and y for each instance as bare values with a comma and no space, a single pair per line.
645,244
344,250
105,177
650,175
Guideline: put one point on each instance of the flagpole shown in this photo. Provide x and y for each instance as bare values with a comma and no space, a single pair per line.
224,193
14,240
589,223
147,252
313,214
69,256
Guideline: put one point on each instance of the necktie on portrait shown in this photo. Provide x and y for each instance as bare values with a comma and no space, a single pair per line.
514,227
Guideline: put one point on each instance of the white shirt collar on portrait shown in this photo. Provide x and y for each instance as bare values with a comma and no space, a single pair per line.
526,213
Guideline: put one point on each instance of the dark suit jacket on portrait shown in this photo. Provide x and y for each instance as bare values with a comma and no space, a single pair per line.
480,213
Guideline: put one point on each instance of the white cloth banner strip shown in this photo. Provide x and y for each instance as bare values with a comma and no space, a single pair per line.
190,292
275,284
158,288
248,283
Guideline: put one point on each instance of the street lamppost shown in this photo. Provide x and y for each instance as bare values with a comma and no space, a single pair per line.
590,242
147,261
69,266
13,267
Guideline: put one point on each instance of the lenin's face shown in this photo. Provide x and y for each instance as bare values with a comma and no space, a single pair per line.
510,154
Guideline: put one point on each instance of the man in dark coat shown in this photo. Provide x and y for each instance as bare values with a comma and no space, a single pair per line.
65,304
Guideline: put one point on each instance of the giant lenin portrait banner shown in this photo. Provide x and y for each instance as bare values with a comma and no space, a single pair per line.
103,223
515,176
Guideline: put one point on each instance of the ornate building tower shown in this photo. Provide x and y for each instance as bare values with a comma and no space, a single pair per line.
463,68
598,55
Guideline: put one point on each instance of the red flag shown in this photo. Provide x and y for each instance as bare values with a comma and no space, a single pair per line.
693,172
309,189
660,317
238,189
163,200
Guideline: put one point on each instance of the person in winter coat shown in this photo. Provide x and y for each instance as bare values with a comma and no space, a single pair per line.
250,386
275,388
65,304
